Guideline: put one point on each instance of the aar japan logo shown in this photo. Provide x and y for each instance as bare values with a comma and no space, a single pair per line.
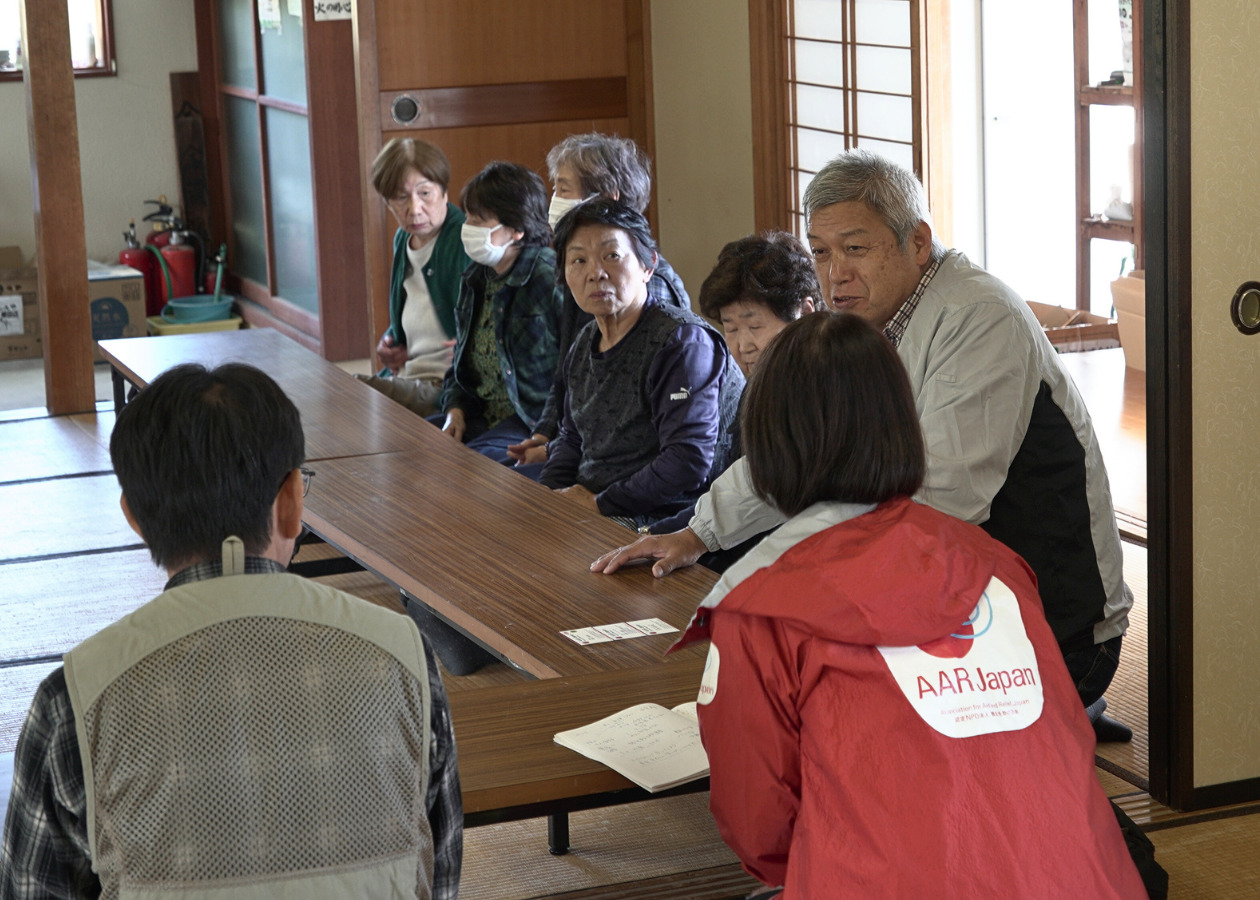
981,678
708,681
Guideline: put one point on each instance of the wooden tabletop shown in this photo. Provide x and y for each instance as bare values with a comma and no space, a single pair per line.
340,415
500,557
526,716
505,560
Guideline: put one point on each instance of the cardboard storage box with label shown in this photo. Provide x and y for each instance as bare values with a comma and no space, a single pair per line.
19,308
115,294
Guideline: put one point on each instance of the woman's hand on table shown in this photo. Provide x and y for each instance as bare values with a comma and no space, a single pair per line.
531,450
670,552
454,424
392,356
581,495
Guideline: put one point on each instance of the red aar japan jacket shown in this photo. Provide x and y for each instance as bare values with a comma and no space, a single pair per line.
888,715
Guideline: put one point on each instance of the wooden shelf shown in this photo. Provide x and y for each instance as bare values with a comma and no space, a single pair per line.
1106,229
1091,226
1110,95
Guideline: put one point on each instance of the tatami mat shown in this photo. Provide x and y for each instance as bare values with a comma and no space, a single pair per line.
1214,860
65,515
22,385
1127,696
620,843
65,449
50,605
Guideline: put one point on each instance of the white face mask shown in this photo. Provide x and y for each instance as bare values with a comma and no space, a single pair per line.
477,244
560,206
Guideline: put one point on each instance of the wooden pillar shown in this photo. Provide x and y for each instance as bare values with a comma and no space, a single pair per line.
377,235
56,187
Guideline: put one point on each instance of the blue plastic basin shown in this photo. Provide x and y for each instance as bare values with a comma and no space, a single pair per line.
198,308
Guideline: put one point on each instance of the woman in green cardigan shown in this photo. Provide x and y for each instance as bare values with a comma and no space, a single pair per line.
412,177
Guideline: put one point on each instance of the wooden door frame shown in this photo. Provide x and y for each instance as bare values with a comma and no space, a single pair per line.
339,330
772,151
1165,102
1169,523
1170,419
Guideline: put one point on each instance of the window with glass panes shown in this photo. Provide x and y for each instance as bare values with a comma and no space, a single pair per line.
853,72
91,38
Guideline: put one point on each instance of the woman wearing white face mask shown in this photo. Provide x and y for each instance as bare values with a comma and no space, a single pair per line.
582,167
507,315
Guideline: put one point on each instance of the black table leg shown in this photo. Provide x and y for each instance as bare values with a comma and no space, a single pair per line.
558,833
120,389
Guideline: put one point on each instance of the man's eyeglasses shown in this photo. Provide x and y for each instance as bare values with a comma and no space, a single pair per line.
307,475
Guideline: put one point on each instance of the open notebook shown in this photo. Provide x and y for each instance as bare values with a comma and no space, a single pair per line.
655,747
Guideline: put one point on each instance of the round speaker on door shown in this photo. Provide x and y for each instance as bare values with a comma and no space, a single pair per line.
405,109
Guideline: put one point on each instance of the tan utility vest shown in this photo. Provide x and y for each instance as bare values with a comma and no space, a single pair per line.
255,736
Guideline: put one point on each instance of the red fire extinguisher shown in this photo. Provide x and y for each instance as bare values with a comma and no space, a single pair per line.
176,270
139,258
181,261
163,219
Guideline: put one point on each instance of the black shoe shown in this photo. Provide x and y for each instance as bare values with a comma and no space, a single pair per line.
1108,730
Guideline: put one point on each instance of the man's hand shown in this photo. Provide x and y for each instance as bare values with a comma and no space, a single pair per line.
581,495
391,355
531,450
454,424
671,551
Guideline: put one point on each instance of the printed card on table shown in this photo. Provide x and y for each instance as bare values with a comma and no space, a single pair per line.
653,626
618,631
584,636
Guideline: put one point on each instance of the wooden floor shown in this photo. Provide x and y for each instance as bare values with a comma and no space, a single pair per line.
1116,399
69,565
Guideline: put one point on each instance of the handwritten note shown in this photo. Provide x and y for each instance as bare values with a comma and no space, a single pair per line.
655,747
329,10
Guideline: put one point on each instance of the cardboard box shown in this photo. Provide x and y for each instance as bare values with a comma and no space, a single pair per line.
19,308
1129,295
115,293
1074,330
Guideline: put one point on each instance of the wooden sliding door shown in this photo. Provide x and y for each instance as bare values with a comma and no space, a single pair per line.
279,113
488,81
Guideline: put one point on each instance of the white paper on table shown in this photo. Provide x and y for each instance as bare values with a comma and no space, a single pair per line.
584,636
619,631
652,626
655,747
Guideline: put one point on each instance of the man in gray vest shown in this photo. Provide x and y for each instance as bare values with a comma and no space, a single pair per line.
247,731
1010,446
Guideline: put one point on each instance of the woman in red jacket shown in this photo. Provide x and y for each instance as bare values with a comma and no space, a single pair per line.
885,709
